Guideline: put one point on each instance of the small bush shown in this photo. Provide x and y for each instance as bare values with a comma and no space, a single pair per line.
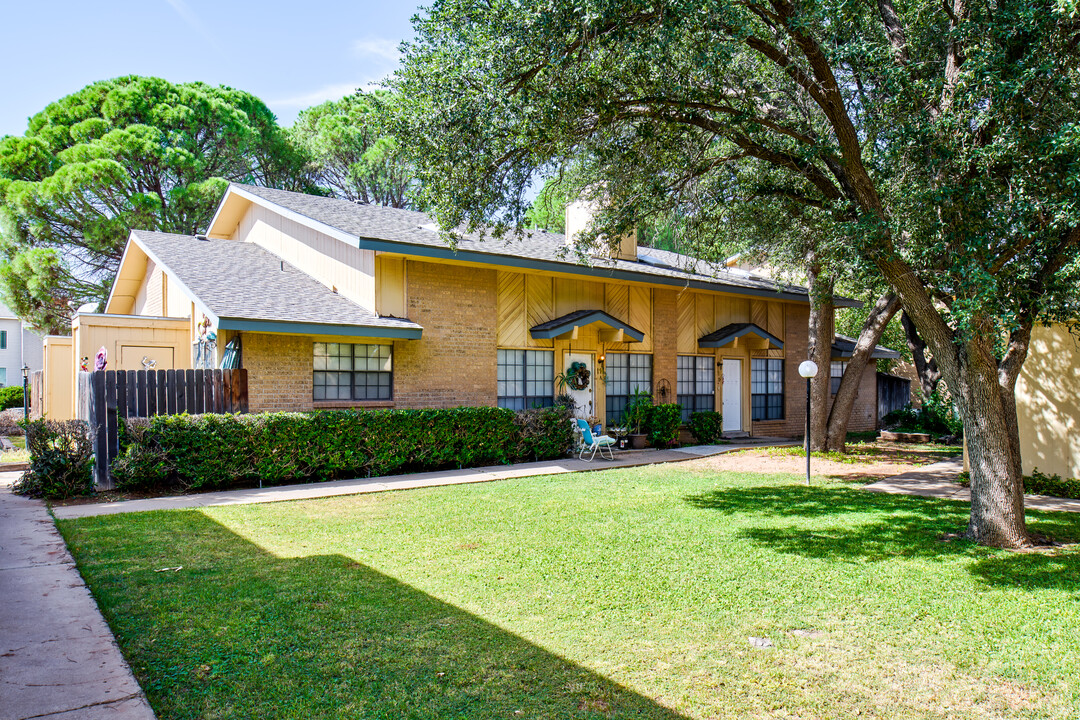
204,452
663,424
11,397
1039,483
61,458
936,417
10,425
706,426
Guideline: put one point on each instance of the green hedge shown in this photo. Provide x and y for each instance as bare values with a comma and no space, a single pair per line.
11,397
61,458
1039,483
663,424
204,452
707,426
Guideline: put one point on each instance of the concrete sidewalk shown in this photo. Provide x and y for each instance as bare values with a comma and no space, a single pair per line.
58,658
305,491
939,481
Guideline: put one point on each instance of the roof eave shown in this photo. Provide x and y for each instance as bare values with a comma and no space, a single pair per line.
309,328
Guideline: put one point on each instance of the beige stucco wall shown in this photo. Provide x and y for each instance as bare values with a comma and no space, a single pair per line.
1048,403
128,338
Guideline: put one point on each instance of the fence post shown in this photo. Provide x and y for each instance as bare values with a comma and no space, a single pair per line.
99,430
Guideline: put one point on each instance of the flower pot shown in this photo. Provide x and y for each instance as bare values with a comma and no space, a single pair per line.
638,441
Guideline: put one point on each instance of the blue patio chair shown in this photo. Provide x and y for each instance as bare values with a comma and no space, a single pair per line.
594,442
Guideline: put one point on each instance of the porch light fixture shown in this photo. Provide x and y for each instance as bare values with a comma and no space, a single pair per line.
808,369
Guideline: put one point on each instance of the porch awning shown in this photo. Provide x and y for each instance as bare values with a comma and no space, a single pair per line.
727,335
843,347
616,330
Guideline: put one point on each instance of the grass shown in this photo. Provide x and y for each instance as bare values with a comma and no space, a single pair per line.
19,454
861,452
626,593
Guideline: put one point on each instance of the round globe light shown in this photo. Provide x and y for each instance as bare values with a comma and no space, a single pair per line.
808,369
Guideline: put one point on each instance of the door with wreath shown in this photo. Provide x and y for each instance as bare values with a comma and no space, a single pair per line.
582,386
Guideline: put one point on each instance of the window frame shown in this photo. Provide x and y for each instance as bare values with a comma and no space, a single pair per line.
352,372
522,365
698,402
772,400
834,379
622,399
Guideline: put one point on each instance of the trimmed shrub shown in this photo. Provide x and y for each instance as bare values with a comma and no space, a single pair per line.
11,397
663,424
706,426
61,458
204,452
10,424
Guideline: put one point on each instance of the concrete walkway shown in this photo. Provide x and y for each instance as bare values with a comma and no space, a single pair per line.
939,481
58,658
623,459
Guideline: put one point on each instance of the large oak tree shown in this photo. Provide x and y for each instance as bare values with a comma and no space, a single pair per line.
134,152
937,141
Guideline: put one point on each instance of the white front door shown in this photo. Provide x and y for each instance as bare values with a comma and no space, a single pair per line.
732,395
582,398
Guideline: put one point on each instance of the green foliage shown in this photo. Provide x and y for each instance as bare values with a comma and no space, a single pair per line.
11,397
203,452
936,416
663,424
638,409
706,426
349,153
61,459
1040,483
127,153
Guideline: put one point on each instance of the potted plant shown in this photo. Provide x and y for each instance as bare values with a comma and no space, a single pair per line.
636,416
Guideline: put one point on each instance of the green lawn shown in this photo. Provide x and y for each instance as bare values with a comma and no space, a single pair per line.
626,593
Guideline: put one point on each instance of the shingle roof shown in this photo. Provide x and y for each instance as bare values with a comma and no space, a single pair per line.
844,346
370,222
723,336
242,281
566,323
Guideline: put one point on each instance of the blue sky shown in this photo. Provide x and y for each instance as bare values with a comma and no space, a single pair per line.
290,54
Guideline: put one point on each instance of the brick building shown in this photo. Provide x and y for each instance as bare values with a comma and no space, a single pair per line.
331,304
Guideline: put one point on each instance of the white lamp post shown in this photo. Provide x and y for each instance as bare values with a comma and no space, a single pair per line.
808,369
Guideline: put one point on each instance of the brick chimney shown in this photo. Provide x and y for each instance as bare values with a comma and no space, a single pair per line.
579,214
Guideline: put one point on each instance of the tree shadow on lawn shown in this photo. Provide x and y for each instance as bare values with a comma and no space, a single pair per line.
897,526
241,631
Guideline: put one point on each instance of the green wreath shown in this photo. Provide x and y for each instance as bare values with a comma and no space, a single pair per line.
577,376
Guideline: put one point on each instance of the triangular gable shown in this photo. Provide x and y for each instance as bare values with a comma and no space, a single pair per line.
569,323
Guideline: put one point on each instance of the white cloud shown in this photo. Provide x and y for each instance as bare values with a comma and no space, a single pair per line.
321,95
190,18
374,47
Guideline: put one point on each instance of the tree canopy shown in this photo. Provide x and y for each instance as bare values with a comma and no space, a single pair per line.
133,152
349,153
937,142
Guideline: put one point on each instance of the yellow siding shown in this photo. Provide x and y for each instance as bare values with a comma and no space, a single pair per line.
58,400
776,325
127,339
686,312
759,313
1048,403
510,324
641,316
349,270
539,306
390,286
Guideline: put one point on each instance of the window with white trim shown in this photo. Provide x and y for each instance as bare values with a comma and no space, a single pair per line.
695,387
353,371
836,374
526,378
626,372
766,389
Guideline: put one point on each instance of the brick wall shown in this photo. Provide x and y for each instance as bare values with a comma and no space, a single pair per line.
864,412
665,340
279,371
455,362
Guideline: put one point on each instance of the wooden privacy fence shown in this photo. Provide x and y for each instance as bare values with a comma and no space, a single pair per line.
119,394
893,393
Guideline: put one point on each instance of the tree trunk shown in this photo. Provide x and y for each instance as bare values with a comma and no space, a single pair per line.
822,331
987,405
927,370
844,402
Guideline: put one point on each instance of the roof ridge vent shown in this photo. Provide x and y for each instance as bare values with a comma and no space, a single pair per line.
202,238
